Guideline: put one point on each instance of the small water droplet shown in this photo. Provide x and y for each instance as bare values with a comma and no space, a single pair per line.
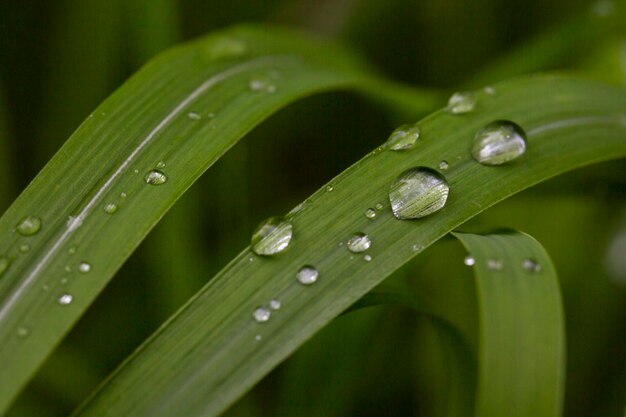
461,102
403,138
367,258
494,264
418,192
22,332
360,242
531,266
307,275
258,337
160,164
329,188
123,195
24,248
261,314
275,304
29,226
67,268
443,165
603,8
192,115
379,206
155,177
84,267
260,85
469,260
210,115
489,90
370,213
225,47
499,142
416,248
45,288
136,171
72,250
110,208
65,299
251,259
63,281
4,264
272,236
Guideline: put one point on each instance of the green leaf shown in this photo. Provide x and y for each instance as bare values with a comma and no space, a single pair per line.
153,117
206,356
522,336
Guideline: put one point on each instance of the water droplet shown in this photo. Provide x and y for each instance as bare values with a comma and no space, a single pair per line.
67,268
24,248
155,177
136,171
45,288
360,242
261,314
469,260
123,195
251,259
192,115
110,208
225,47
494,264
499,142
84,267
210,115
416,248
402,138
370,213
22,332
63,281
258,337
72,250
4,264
260,85
307,275
443,165
418,192
531,266
379,206
29,226
461,102
329,188
272,236
65,299
367,258
489,90
603,8
275,304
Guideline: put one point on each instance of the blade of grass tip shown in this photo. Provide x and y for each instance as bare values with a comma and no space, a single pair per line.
553,48
104,190
521,360
206,356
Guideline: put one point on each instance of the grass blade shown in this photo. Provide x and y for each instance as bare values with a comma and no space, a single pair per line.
522,336
206,356
152,118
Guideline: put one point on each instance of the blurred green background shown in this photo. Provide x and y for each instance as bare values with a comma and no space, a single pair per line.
59,59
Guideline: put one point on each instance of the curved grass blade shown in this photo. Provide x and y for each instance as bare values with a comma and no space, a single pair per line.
522,334
206,356
183,110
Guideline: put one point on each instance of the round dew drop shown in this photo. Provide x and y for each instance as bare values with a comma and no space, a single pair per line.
367,258
261,314
307,275
461,102
499,142
370,213
84,267
469,260
110,208
24,248
360,242
443,165
272,236
65,299
192,115
418,192
22,332
155,177
29,226
275,304
403,138
531,266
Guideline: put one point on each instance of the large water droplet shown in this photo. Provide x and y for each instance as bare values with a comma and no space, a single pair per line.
418,192
360,242
531,266
307,275
29,226
155,177
84,267
370,213
403,138
261,314
110,208
4,264
272,236
65,299
499,142
461,102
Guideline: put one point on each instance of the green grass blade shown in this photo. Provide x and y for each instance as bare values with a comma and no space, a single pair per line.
152,118
522,336
206,356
